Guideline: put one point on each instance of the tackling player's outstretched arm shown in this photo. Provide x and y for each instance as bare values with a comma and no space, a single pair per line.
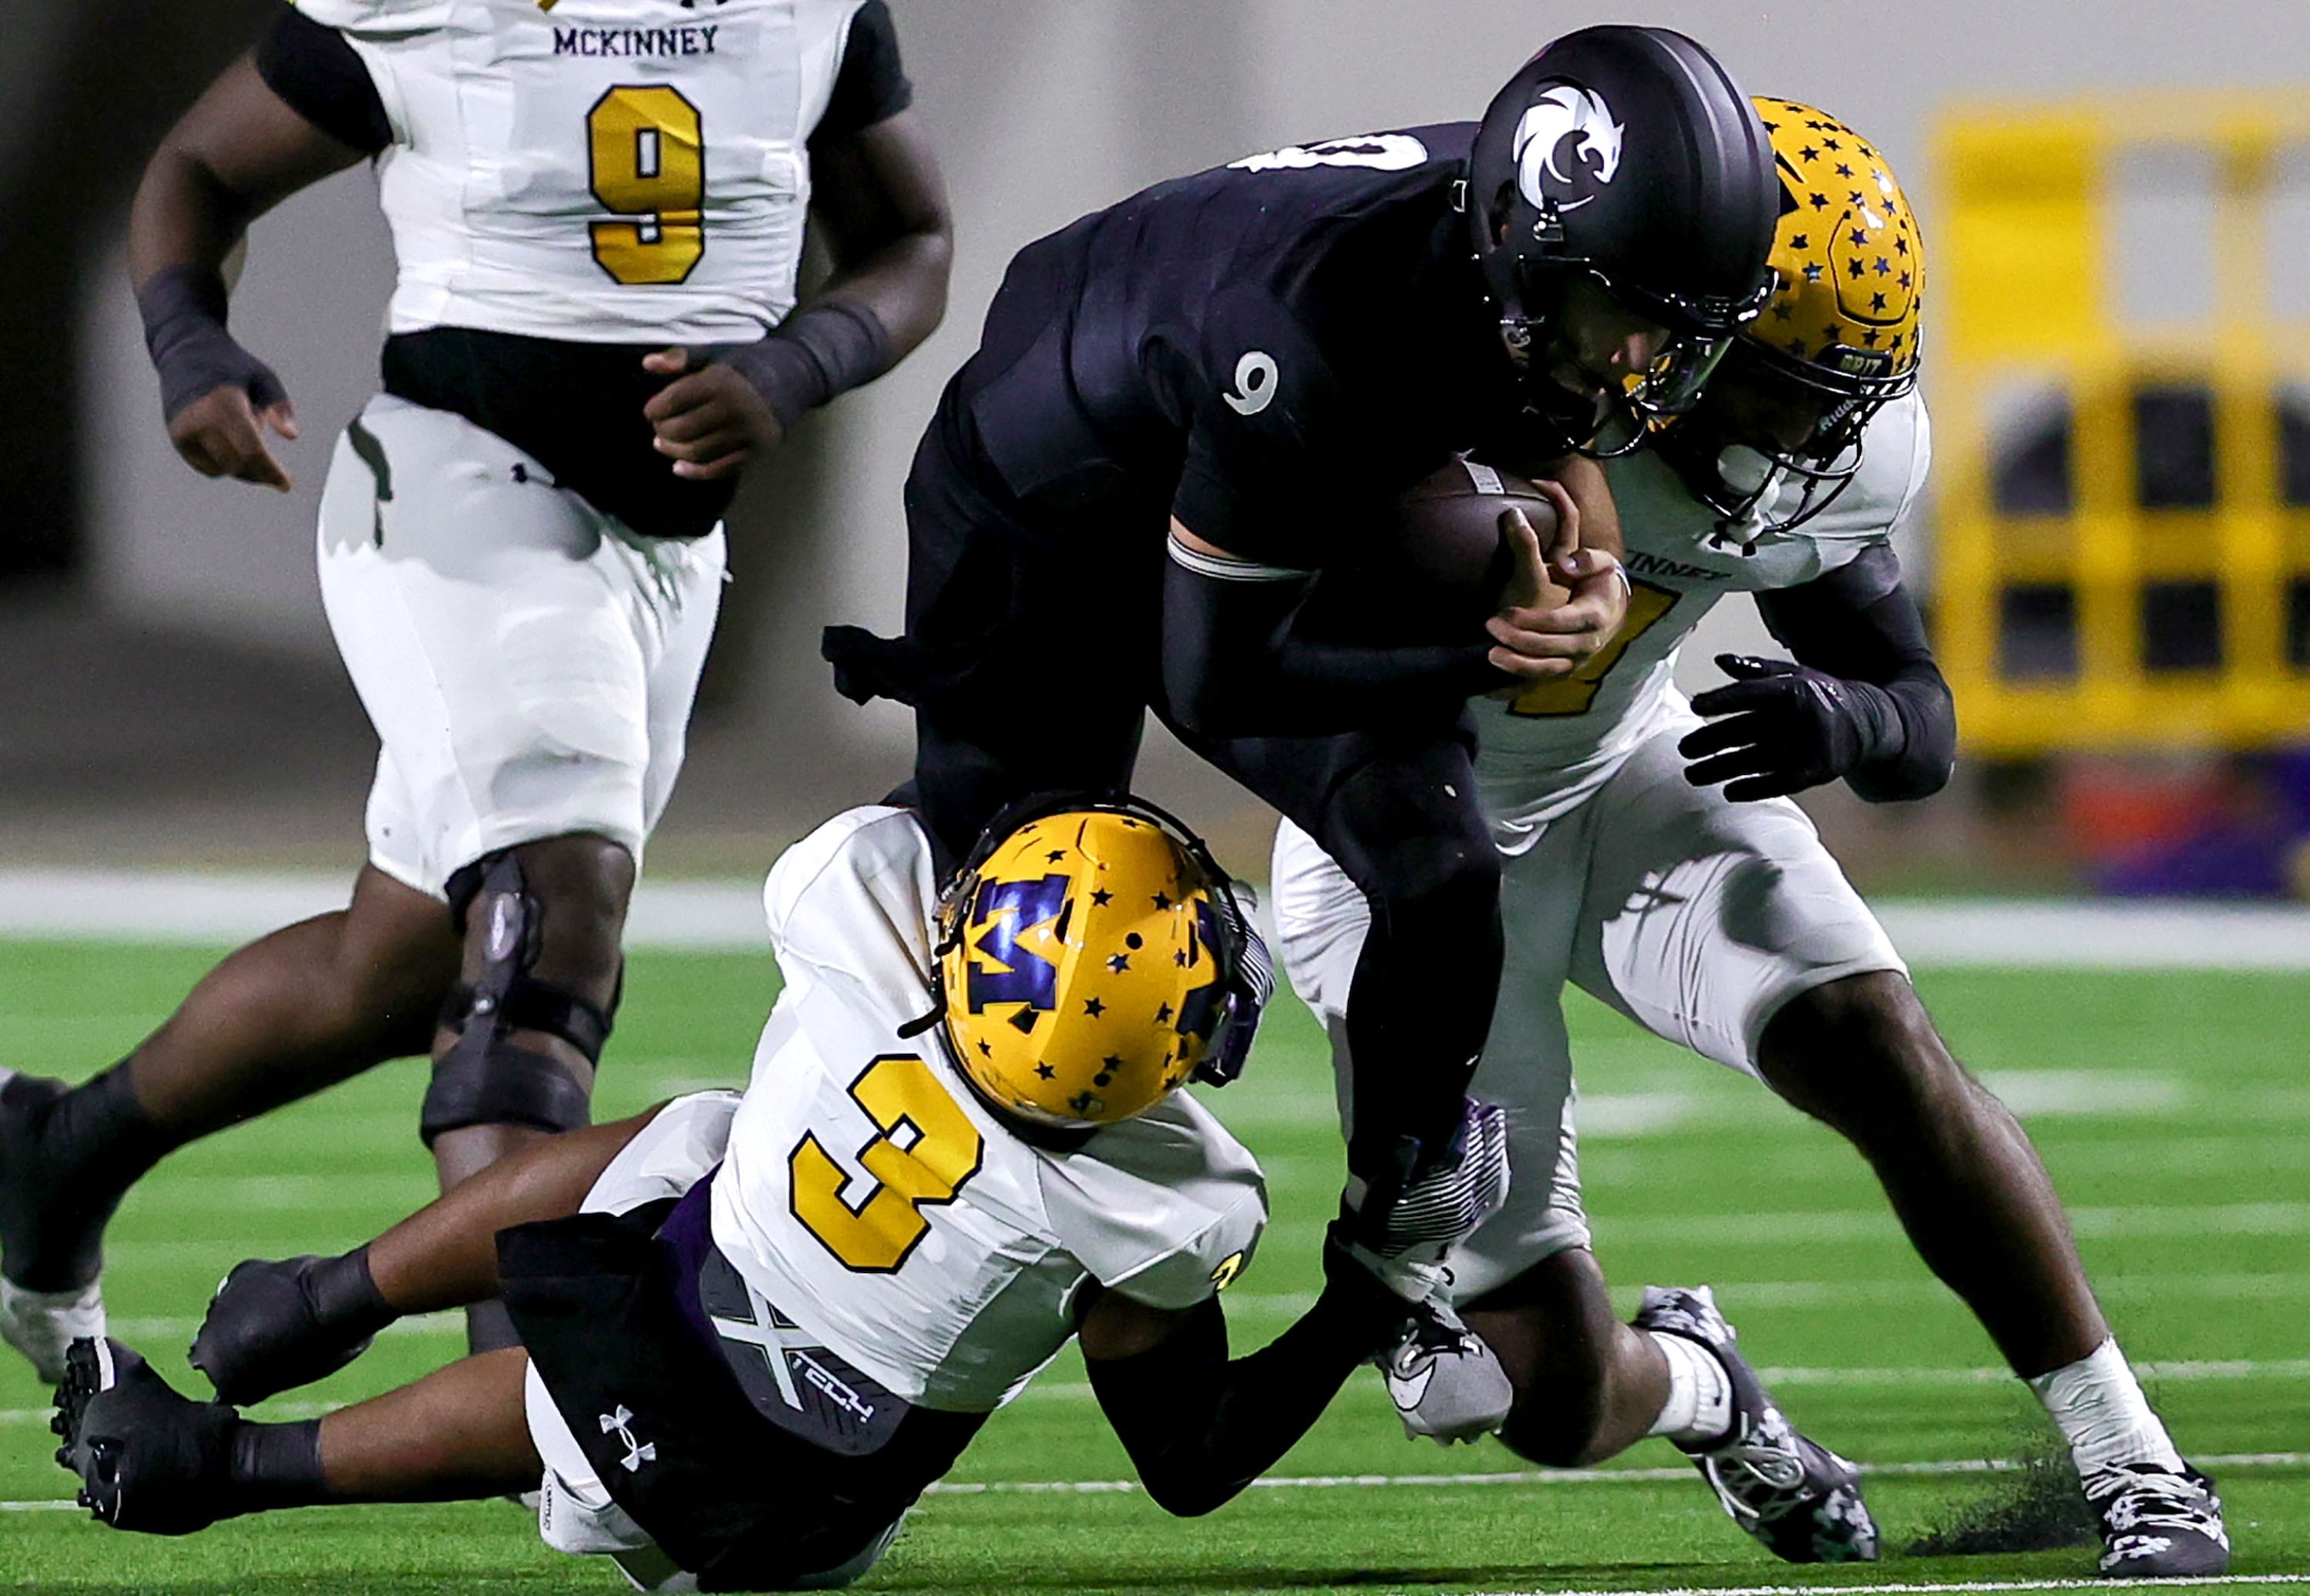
1865,701
1200,1426
240,152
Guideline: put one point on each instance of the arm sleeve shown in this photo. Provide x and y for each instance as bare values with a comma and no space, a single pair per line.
871,85
1199,1428
1236,666
318,75
1858,622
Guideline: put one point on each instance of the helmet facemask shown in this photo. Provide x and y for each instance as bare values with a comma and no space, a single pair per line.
1761,486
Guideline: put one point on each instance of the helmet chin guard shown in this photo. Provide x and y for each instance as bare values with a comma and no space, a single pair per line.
1626,157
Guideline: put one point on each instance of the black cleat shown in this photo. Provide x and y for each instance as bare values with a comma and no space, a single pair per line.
274,1326
1797,1496
2157,1523
50,1256
148,1458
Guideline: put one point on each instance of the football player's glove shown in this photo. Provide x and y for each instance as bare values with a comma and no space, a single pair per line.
275,1325
1446,1385
1418,1207
1787,727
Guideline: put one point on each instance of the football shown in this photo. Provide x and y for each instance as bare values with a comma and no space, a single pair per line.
1434,571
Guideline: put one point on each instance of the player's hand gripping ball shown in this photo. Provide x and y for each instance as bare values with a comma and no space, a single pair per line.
1445,564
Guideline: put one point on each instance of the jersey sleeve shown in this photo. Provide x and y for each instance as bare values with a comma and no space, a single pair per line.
318,75
859,885
871,85
1166,1208
1275,460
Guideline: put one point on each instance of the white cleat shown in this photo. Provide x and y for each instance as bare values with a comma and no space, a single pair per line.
41,1324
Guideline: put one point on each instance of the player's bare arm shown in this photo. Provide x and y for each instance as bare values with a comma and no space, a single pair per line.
1200,1426
881,207
275,1325
240,151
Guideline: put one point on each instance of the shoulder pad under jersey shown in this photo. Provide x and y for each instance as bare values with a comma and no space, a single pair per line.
379,16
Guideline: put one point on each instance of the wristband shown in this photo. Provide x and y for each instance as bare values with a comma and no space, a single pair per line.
183,309
819,351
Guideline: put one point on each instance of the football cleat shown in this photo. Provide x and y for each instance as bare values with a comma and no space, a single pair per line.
1798,1497
2156,1522
1446,1385
41,1324
49,1295
274,1326
149,1460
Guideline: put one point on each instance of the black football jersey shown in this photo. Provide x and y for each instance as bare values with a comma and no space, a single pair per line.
1272,350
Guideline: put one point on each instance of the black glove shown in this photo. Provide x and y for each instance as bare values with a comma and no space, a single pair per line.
1787,727
274,1326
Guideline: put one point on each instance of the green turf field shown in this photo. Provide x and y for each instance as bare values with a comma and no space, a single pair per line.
2173,1110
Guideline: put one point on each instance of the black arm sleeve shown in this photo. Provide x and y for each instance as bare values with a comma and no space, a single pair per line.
1199,1429
872,85
1235,666
1858,622
320,77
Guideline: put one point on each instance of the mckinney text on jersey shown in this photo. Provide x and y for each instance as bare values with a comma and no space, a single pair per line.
635,41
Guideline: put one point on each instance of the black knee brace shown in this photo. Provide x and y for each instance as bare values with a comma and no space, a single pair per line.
485,1080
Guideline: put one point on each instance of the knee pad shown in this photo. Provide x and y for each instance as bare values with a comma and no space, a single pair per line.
485,1080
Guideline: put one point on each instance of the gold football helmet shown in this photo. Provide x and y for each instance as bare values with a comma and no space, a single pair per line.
1844,317
1839,336
1091,958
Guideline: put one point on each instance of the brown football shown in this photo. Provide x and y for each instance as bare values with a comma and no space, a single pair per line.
1434,571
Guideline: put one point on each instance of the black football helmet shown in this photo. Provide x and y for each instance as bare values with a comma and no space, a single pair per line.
1626,157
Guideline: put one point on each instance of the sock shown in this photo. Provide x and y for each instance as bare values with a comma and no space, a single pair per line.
2102,1414
1699,1411
81,1149
277,1465
99,1137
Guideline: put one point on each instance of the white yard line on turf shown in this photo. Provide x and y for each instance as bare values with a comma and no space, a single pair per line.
1550,1476
186,906
1556,1477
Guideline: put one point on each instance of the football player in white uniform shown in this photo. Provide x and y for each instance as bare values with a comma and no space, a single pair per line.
1656,862
597,208
779,1317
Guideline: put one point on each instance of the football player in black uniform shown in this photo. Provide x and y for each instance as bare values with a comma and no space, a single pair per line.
1186,408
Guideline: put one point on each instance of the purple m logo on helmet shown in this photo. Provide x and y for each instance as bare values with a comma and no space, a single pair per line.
1007,910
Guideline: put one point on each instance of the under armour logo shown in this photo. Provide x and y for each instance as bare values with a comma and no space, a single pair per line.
638,1453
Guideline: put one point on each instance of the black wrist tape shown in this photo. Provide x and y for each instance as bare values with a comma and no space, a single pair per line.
184,309
819,351
344,1294
277,1465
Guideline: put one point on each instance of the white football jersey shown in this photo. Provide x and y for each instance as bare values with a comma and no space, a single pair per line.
869,1196
609,172
1558,743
